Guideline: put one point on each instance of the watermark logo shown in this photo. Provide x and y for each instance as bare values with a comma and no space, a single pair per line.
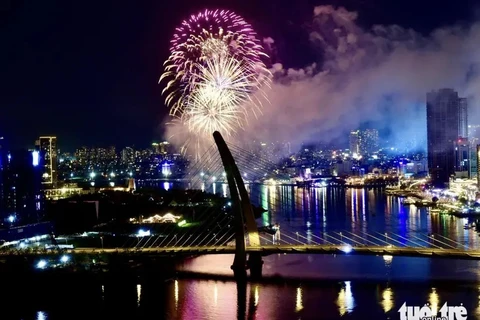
425,313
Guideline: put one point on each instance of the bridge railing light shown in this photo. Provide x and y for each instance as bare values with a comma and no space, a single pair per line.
347,248
182,223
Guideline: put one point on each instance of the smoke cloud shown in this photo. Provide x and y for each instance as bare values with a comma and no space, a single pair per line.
378,76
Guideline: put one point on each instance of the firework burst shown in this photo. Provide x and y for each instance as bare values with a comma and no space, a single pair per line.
213,72
205,36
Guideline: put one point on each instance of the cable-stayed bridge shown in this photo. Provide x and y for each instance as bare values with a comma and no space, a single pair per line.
225,210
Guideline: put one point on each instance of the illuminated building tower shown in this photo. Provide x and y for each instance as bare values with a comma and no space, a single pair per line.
2,207
81,155
462,118
111,153
355,142
368,141
21,193
462,158
162,148
446,130
47,146
128,156
478,171
473,139
364,142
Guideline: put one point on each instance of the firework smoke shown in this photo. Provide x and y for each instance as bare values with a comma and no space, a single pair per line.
378,76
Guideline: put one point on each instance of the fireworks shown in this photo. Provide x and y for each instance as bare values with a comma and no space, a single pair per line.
215,105
214,70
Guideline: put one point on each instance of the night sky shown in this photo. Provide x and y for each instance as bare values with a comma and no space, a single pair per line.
87,71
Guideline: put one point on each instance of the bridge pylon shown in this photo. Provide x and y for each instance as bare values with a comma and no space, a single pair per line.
244,216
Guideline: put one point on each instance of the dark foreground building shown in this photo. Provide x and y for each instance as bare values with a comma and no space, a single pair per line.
20,188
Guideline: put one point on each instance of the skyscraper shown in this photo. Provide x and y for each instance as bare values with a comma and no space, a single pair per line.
355,142
21,180
364,142
368,141
47,147
462,118
447,134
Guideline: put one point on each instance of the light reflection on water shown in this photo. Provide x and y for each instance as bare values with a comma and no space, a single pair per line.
208,299
387,299
41,315
326,210
345,300
357,210
299,301
342,267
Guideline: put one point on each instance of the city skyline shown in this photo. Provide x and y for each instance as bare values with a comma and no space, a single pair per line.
136,107
244,159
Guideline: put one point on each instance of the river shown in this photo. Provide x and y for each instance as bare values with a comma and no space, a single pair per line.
320,286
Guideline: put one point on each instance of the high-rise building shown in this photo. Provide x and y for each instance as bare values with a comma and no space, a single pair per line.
2,157
446,126
462,158
478,161
21,192
128,156
462,118
82,155
368,141
355,142
47,146
161,148
364,142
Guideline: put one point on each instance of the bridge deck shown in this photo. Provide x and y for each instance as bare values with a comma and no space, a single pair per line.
272,249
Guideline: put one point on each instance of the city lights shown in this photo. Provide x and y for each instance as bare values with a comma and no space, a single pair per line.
143,233
182,223
65,259
35,158
347,248
42,264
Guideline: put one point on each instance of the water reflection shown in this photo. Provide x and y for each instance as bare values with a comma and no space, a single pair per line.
433,300
202,299
478,302
357,210
41,315
345,300
139,293
299,300
176,294
387,300
167,186
256,295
